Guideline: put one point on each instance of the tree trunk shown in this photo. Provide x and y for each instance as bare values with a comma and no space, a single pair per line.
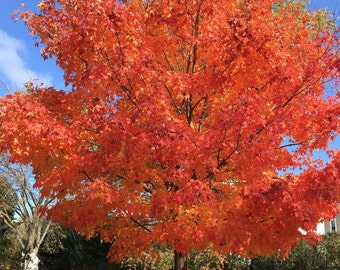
180,262
31,260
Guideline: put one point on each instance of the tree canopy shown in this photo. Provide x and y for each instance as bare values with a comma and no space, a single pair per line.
186,123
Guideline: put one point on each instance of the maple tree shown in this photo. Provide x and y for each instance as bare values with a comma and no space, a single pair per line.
185,123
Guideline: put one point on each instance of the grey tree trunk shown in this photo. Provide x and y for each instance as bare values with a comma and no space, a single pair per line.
180,261
31,260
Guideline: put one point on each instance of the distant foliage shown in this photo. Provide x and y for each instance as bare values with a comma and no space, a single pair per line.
75,252
325,255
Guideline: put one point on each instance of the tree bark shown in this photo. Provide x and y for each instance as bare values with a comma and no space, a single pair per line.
180,261
31,260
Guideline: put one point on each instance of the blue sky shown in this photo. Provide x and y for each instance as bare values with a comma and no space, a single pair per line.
20,60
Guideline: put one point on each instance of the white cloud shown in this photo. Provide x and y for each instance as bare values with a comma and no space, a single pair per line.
13,66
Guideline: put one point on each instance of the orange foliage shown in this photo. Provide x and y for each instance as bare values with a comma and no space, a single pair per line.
177,126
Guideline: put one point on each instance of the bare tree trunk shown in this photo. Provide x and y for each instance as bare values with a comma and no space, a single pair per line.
180,261
31,260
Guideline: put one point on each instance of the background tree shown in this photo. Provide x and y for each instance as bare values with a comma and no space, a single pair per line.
164,261
20,202
9,256
185,122
325,255
76,252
